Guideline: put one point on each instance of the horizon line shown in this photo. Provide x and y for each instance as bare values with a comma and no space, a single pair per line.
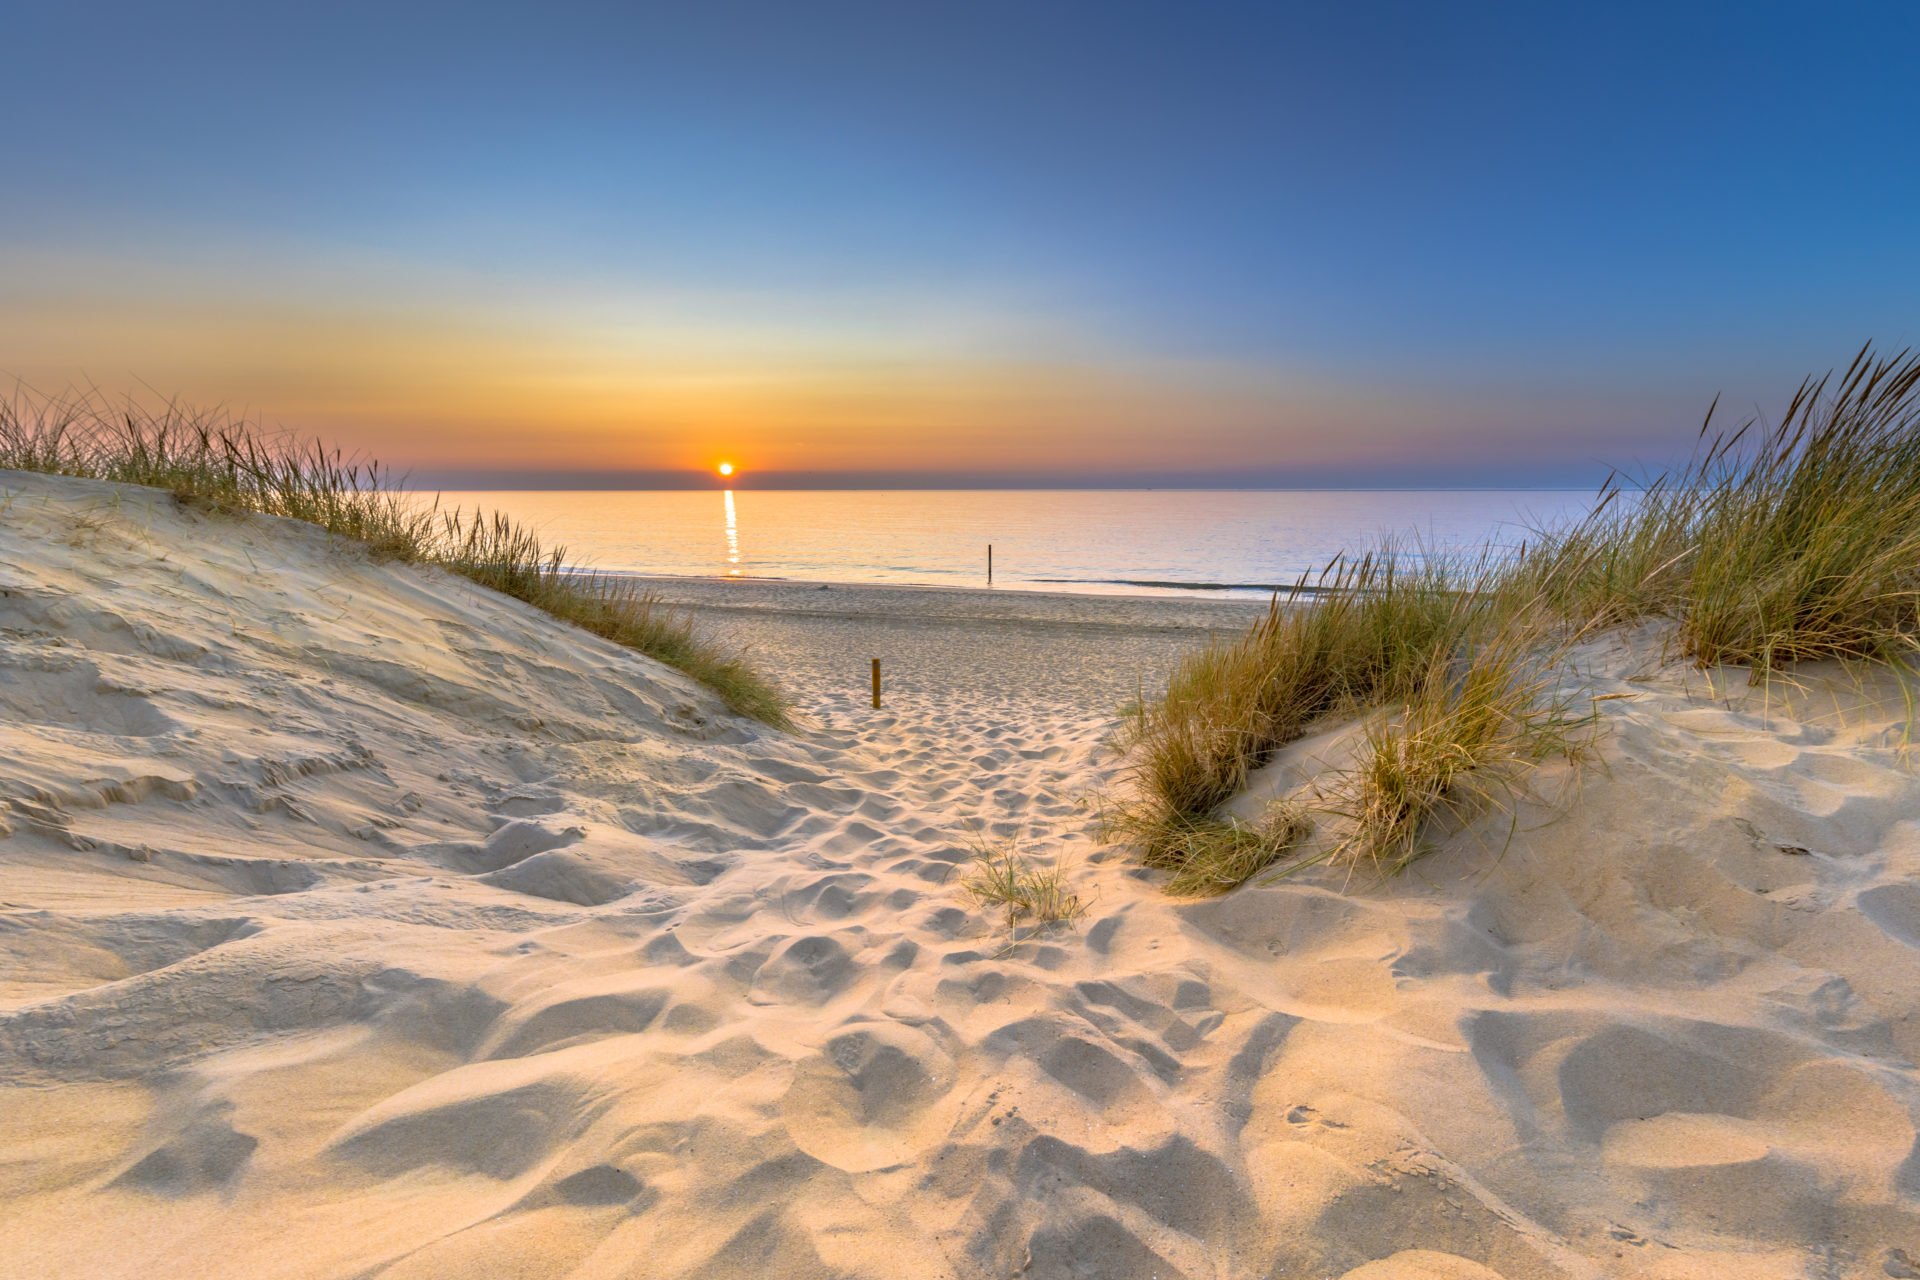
1578,476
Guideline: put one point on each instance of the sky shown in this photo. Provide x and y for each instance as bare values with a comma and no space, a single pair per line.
971,243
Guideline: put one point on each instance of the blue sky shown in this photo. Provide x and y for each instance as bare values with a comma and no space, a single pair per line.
1278,242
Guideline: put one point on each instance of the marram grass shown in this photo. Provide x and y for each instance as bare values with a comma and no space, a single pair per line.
1455,746
1210,855
1027,891
1772,545
215,461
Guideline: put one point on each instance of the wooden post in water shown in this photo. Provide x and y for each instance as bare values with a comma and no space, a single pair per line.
989,564
876,682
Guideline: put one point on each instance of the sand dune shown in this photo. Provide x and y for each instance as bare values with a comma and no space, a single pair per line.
355,922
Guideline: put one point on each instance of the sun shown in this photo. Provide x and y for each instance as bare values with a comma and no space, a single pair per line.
726,468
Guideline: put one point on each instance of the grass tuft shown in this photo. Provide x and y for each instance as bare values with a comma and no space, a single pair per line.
1771,546
1362,633
214,462
1456,747
1210,855
1001,876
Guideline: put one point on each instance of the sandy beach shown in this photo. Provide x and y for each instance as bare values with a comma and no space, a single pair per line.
1079,655
358,922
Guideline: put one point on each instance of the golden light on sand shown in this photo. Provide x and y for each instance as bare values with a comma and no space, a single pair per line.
726,468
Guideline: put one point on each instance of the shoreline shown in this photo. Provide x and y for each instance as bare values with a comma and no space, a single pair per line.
934,603
1084,656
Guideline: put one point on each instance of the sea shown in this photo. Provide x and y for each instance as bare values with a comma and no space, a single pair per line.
1182,542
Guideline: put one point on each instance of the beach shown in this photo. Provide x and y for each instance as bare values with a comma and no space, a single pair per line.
356,921
1080,655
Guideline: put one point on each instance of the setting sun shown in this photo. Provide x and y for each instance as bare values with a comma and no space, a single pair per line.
726,468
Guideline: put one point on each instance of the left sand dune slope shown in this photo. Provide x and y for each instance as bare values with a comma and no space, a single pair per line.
337,893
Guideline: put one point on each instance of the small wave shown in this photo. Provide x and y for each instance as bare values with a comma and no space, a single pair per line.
1159,584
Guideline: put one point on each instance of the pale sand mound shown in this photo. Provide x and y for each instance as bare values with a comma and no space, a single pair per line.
356,922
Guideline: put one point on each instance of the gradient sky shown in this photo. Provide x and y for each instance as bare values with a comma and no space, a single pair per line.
1261,242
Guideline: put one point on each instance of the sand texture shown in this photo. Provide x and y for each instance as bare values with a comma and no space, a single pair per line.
355,922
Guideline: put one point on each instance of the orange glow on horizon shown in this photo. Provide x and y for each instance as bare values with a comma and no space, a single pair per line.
422,389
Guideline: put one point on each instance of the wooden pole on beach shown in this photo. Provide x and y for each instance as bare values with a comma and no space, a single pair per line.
989,564
876,682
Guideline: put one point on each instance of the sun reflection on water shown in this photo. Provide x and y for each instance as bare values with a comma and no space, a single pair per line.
733,537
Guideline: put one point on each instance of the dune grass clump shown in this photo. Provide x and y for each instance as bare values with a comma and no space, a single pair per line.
1771,546
1211,855
1361,633
1001,876
1346,637
215,462
1457,745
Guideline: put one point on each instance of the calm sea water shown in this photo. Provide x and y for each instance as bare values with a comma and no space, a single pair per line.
1123,541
